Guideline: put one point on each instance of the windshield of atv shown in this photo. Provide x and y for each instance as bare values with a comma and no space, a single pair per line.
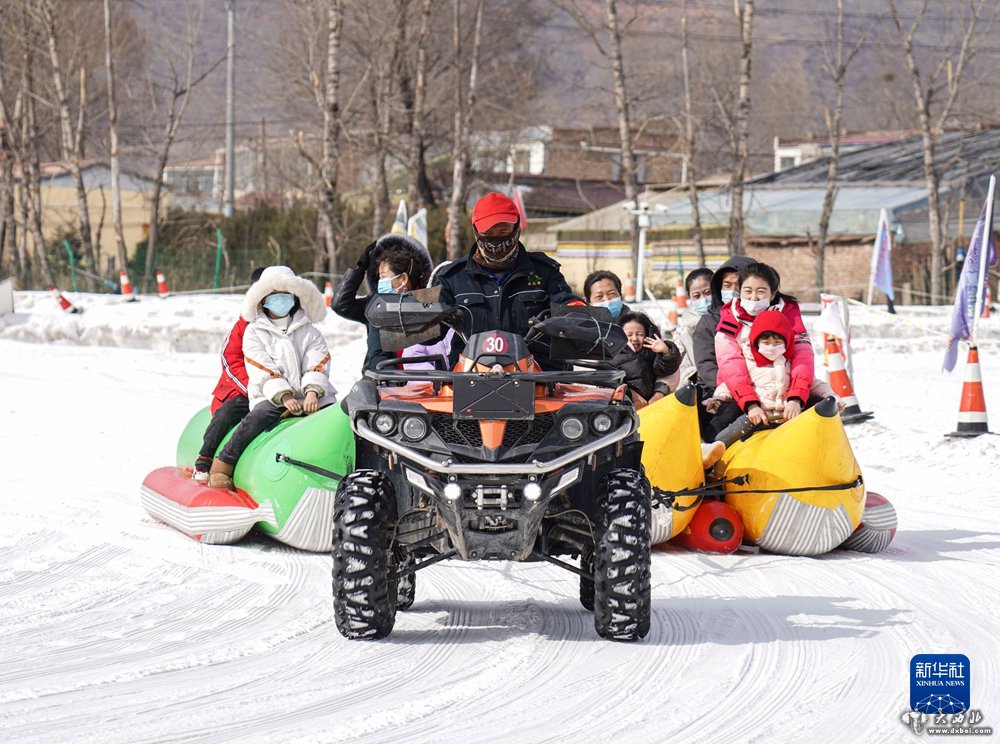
407,319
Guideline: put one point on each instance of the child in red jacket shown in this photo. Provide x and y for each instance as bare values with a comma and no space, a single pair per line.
230,403
772,381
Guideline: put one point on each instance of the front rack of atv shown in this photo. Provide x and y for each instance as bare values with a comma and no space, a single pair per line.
609,378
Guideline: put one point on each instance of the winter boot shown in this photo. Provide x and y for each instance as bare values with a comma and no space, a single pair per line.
221,475
201,467
740,428
711,452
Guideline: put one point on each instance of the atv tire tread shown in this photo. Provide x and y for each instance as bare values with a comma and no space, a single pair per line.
364,599
622,603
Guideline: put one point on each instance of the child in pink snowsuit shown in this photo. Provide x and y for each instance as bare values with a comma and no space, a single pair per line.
772,379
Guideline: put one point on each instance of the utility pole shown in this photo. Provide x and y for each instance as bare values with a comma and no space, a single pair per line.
227,207
641,214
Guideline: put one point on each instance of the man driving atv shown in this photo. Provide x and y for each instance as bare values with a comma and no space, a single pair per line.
500,286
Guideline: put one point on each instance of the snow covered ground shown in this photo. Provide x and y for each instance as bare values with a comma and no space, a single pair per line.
114,628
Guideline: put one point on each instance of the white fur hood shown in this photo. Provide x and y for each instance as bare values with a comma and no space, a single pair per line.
283,279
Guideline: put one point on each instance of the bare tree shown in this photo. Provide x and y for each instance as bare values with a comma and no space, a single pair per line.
331,140
71,135
8,228
614,54
326,96
690,171
178,94
615,59
418,186
29,160
837,69
932,115
116,196
464,108
741,127
384,65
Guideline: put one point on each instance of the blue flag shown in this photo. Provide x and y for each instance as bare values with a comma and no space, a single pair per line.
883,254
968,289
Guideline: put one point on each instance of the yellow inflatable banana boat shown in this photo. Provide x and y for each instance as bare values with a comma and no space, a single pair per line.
803,493
671,455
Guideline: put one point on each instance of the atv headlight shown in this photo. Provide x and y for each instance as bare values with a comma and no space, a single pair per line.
414,428
601,423
572,428
385,423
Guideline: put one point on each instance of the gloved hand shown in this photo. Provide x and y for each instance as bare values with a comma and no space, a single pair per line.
365,259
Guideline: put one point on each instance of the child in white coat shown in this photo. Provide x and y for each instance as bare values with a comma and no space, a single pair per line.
287,361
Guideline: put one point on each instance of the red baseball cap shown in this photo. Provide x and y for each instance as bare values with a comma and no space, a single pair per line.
493,209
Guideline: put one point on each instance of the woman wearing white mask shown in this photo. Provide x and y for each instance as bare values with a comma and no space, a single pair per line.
287,361
758,293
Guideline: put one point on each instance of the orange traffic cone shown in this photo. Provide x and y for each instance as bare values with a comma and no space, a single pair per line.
328,294
65,304
127,294
672,313
680,296
629,288
161,284
972,410
840,381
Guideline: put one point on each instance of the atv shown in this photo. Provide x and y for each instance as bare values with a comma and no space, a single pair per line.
495,460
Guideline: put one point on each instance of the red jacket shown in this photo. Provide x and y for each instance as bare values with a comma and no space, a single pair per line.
233,380
733,332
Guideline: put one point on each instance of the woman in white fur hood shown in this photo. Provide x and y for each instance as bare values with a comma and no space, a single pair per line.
287,361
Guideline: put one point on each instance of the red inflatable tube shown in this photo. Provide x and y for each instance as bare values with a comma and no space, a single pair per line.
210,515
716,528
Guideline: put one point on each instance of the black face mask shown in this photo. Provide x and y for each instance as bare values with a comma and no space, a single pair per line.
498,251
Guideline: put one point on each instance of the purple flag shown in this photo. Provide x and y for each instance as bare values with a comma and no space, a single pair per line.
968,289
883,264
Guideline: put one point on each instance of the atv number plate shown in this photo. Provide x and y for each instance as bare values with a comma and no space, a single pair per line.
494,399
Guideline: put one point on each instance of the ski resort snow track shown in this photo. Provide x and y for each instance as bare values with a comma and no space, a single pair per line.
116,628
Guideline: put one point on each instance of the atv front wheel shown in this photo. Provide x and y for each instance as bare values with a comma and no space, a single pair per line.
364,600
621,559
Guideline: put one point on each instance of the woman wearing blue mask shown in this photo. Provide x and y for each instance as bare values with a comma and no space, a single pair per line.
604,289
698,287
287,361
723,286
393,264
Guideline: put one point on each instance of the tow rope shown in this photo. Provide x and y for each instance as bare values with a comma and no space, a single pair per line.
278,457
667,498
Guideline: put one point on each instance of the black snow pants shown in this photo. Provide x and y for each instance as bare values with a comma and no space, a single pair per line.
226,416
260,419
